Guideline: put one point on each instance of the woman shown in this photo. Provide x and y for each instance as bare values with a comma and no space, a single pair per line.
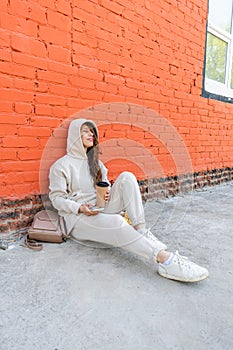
73,194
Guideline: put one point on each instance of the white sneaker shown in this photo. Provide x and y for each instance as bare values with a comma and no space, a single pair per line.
182,269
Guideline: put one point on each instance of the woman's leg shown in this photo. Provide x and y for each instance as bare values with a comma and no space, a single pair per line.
112,229
125,195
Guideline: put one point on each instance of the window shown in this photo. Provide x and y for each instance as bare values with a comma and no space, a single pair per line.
219,49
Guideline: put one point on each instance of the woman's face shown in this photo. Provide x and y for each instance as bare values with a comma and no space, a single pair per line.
87,136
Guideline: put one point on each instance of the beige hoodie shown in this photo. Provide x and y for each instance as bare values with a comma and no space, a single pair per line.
70,181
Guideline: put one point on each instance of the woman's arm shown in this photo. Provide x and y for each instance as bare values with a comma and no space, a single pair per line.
58,191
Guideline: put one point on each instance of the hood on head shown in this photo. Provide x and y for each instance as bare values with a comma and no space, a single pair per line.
74,142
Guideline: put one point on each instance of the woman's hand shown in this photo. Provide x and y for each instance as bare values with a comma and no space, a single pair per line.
84,208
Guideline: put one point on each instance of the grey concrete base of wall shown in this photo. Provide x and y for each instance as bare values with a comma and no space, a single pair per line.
16,214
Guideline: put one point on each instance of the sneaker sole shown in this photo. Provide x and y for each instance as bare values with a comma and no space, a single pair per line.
171,277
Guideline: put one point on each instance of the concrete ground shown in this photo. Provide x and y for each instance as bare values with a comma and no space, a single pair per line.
76,297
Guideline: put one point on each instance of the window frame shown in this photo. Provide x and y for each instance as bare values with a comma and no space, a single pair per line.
211,88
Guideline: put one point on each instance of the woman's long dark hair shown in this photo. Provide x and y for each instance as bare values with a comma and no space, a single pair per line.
93,155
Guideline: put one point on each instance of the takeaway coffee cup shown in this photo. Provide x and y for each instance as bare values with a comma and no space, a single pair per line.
101,189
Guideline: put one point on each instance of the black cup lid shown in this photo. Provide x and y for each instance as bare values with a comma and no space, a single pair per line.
102,184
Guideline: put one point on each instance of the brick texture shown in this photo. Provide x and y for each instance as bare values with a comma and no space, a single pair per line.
60,57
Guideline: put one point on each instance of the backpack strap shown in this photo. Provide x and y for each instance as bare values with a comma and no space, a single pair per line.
32,244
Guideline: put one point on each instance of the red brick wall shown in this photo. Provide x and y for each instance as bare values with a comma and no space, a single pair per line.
60,57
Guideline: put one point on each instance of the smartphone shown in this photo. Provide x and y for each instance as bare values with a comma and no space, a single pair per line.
96,209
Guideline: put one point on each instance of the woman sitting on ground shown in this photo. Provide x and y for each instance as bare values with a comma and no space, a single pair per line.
73,193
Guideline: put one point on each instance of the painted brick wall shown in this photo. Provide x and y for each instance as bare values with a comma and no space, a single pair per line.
60,57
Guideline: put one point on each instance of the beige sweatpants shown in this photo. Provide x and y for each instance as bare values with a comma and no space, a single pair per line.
110,228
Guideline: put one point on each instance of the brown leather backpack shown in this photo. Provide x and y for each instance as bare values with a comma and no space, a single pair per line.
47,226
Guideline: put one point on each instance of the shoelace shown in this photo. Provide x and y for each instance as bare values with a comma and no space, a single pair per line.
182,260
